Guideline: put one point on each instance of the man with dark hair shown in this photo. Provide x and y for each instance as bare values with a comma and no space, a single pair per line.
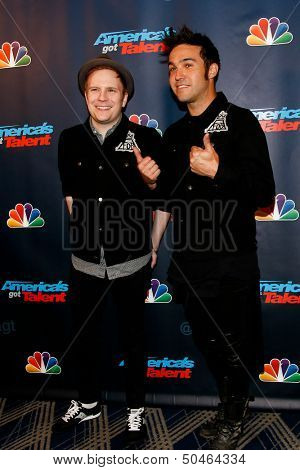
106,181
208,52
216,172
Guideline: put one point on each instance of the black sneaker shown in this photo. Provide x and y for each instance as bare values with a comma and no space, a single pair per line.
76,414
135,424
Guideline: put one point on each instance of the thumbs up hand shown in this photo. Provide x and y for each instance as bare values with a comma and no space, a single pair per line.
204,162
147,167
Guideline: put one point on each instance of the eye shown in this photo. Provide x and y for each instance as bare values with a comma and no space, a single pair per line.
172,69
187,66
112,90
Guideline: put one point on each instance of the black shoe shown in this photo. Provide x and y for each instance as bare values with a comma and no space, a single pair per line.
76,414
210,429
135,424
228,436
230,429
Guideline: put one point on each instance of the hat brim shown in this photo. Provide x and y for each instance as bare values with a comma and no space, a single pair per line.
106,62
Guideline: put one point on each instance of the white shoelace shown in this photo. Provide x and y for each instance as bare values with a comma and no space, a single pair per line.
72,411
135,419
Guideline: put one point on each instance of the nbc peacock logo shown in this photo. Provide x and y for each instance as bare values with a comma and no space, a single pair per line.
13,55
284,211
144,120
42,363
25,216
280,371
158,293
269,33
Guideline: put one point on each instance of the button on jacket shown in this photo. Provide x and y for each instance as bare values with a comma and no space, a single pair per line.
219,224
110,205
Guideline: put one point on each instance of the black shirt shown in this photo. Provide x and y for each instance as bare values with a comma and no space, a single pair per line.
214,228
109,195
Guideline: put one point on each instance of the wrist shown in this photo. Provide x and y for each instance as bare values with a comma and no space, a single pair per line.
214,170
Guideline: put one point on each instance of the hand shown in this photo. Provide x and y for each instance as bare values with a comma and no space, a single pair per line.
154,258
204,162
147,167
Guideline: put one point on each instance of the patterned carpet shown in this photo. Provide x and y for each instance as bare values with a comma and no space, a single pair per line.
27,425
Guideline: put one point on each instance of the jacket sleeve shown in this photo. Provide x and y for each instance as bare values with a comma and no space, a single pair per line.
250,177
169,176
64,166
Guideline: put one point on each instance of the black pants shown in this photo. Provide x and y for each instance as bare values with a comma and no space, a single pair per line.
227,330
88,301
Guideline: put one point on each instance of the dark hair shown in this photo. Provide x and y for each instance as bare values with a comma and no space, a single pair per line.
208,52
106,67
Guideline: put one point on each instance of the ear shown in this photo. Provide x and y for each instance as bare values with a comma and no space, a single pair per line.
125,99
213,70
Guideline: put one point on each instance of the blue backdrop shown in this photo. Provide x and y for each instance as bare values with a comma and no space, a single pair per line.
43,44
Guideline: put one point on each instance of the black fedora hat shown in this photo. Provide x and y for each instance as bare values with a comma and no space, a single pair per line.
104,60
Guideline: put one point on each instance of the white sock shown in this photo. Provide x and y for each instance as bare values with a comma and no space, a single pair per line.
88,406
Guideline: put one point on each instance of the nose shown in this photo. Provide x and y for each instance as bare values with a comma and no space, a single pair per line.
179,74
102,95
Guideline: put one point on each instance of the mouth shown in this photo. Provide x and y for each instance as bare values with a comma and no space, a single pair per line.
103,108
180,87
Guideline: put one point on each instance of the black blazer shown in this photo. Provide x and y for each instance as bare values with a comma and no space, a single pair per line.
214,219
112,206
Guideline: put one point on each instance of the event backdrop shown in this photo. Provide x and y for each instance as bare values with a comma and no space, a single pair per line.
43,44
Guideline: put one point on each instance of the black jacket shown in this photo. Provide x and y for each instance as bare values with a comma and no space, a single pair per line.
214,218
108,192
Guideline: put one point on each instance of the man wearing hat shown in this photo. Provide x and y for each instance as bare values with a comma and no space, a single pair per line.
107,174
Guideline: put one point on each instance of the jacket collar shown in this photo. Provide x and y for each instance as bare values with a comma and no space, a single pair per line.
218,104
123,124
